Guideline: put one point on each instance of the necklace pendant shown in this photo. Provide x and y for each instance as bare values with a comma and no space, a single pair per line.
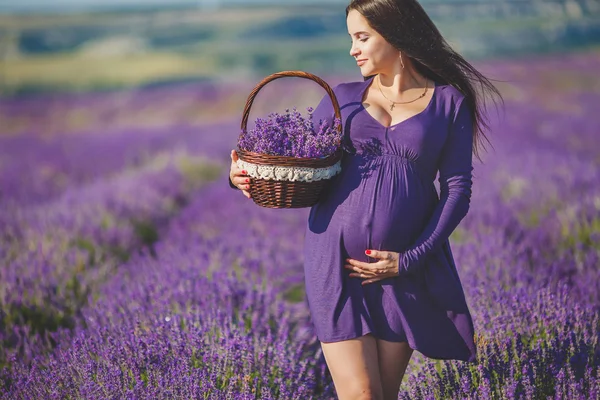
392,107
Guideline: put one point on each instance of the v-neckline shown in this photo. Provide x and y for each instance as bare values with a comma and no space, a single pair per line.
366,86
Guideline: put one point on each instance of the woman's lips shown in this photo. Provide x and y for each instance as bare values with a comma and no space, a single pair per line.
360,62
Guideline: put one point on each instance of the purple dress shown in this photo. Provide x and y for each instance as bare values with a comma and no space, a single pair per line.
385,199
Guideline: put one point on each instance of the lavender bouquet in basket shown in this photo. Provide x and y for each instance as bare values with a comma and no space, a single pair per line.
292,135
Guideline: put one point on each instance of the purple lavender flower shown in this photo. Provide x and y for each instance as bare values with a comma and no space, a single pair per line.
292,135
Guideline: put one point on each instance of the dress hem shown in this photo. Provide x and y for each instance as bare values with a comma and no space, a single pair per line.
432,357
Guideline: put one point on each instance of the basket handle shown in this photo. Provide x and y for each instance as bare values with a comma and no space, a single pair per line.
299,74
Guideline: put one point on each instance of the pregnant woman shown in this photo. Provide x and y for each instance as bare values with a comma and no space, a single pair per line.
380,276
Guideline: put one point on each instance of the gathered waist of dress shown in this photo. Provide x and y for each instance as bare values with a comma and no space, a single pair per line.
363,162
381,155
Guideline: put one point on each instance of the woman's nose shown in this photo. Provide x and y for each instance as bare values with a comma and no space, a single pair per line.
354,51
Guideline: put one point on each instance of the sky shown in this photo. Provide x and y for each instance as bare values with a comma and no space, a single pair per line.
62,5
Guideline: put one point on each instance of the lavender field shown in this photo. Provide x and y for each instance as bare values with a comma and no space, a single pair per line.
131,270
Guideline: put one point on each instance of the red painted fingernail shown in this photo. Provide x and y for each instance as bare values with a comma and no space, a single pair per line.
367,252
247,180
244,172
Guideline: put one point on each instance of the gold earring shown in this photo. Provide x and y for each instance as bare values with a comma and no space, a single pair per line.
401,62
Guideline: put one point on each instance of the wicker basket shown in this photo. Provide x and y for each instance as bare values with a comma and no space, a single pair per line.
284,190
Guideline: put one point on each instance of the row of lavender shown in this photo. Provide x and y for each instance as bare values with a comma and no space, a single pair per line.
216,314
36,167
63,238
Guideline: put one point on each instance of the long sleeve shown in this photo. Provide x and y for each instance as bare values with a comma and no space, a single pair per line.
455,178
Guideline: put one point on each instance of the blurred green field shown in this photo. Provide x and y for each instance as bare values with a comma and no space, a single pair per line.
107,50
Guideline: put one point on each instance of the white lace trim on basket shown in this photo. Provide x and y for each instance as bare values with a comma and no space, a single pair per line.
302,174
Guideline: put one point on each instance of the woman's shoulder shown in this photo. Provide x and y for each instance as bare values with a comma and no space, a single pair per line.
347,90
450,93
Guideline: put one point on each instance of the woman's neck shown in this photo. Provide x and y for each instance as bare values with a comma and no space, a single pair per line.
401,80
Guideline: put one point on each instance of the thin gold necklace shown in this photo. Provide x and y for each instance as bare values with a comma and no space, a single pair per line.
402,102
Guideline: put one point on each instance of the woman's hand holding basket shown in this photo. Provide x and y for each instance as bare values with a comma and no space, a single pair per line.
238,177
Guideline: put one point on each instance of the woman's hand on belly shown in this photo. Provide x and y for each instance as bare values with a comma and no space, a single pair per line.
386,267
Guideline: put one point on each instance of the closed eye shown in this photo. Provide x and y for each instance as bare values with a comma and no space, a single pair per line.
362,40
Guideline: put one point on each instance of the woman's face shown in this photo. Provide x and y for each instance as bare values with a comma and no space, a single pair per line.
372,52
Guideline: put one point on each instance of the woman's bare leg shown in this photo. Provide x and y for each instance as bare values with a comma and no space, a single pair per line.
393,360
354,368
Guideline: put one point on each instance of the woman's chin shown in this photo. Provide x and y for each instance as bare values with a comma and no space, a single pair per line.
366,71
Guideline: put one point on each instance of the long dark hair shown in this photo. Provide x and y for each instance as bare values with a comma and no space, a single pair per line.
406,26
